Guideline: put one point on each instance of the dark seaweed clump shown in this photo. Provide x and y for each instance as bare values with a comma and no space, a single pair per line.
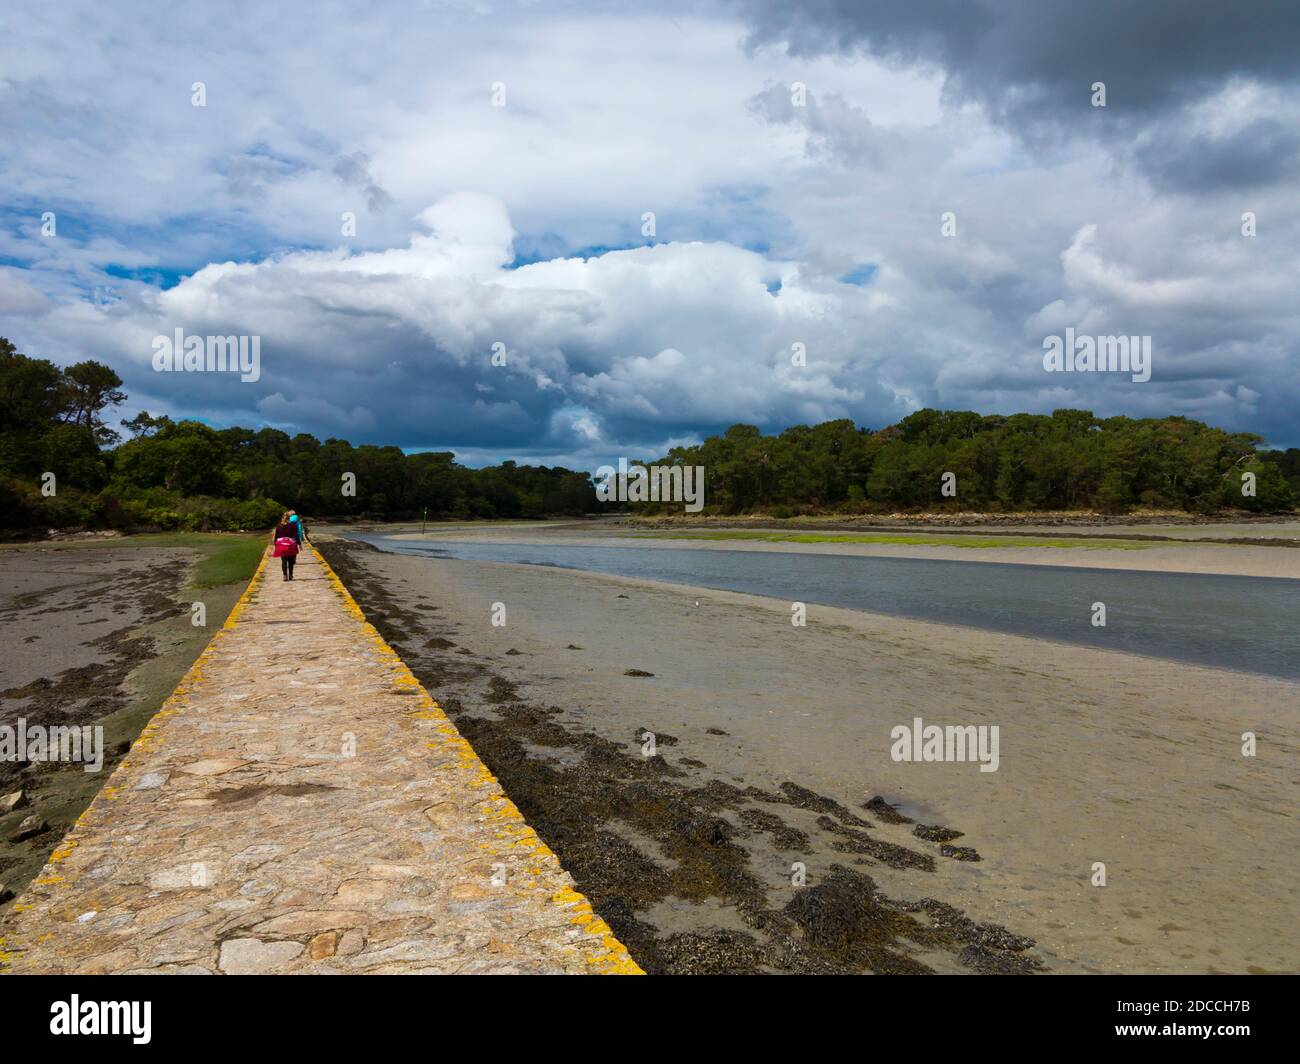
885,813
935,833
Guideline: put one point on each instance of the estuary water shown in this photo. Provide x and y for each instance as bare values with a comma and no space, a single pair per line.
1250,624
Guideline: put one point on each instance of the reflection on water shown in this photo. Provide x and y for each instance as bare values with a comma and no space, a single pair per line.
1236,622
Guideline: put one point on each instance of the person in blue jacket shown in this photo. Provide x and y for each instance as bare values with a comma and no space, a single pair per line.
299,528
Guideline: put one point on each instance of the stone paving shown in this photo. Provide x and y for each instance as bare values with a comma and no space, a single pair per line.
300,804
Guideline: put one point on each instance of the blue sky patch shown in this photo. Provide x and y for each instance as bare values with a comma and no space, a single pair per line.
859,275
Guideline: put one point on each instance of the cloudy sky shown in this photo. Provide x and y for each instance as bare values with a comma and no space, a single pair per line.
798,159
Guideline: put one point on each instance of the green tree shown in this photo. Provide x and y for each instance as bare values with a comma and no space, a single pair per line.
88,388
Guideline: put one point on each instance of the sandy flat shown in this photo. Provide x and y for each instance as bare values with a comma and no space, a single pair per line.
1106,757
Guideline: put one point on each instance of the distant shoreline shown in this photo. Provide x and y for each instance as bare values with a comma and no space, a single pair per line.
1282,529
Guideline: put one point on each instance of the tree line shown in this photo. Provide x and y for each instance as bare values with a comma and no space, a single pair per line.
181,474
62,464
1067,460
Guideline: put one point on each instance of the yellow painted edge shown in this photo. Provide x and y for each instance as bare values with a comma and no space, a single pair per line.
49,876
615,960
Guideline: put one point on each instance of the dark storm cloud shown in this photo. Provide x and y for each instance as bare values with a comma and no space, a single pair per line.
1263,153
1033,63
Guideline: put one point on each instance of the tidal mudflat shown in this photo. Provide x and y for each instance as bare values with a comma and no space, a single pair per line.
772,751
98,633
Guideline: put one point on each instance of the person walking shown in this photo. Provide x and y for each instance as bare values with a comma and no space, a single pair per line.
299,526
286,545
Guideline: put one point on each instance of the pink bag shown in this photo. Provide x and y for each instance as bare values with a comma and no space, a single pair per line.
284,545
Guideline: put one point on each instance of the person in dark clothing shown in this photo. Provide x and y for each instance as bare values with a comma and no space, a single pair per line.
285,547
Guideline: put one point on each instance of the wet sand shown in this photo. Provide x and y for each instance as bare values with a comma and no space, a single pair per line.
63,602
1105,757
